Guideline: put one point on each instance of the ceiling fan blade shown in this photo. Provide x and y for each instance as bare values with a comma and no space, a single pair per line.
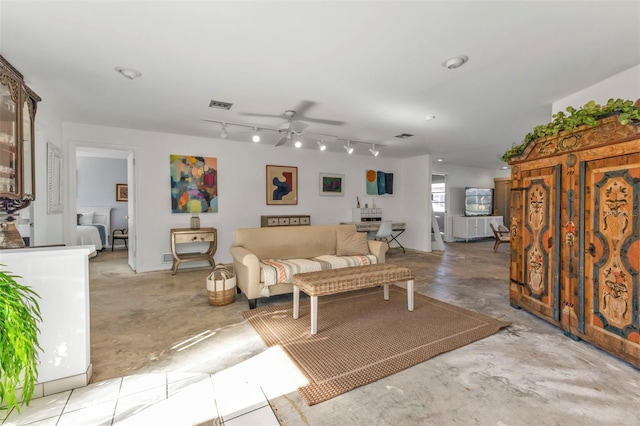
302,108
255,114
323,121
282,141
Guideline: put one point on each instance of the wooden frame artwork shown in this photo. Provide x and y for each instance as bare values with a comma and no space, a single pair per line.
122,192
331,184
282,185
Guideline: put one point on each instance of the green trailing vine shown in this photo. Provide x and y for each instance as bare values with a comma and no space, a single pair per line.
587,115
19,317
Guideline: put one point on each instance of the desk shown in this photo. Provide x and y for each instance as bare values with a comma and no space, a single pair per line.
374,226
188,235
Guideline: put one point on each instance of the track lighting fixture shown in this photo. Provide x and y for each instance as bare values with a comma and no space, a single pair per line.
292,136
256,135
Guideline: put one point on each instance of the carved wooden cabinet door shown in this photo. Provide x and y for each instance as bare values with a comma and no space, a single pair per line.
534,279
612,253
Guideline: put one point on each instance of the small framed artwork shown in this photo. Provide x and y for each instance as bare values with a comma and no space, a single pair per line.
122,192
282,185
331,184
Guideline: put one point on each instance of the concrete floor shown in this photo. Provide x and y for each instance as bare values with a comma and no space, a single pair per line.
527,374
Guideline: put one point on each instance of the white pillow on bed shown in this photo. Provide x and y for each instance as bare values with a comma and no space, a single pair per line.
86,218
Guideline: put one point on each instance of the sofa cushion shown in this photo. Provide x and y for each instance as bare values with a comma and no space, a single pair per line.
274,271
351,243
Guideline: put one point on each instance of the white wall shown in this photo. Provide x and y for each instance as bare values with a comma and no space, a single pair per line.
416,203
625,85
242,185
48,228
96,181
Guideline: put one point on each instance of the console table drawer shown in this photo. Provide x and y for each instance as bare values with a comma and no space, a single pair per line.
195,237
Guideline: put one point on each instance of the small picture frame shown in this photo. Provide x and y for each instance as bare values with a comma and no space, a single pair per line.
122,192
332,184
282,185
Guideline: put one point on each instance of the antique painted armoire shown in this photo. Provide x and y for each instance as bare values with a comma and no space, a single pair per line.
575,234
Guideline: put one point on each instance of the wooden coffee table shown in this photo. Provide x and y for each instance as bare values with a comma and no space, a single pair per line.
322,283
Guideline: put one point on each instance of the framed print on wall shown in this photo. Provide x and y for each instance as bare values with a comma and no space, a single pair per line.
122,192
379,183
282,185
194,184
331,184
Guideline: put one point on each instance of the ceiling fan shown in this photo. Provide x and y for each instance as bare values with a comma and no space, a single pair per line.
290,128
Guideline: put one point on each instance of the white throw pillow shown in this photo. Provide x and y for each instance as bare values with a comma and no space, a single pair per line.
86,218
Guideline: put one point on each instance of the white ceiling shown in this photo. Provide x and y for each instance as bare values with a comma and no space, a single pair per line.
376,66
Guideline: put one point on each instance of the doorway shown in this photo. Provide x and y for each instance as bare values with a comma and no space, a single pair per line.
439,201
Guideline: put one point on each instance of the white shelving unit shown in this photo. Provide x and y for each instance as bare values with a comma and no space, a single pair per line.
470,227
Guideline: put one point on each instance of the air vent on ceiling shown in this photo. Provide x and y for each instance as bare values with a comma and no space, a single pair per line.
403,135
220,105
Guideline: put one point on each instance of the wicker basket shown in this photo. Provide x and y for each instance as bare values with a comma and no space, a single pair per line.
221,286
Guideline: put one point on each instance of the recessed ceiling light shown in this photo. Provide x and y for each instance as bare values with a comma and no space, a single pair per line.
455,62
129,73
430,117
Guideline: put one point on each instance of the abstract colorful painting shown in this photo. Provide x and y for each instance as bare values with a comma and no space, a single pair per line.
331,184
379,183
194,184
282,185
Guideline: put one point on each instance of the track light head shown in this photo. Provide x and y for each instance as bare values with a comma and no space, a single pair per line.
298,143
321,146
374,151
223,132
256,135
349,148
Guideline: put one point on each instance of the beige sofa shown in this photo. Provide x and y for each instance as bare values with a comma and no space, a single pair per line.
284,242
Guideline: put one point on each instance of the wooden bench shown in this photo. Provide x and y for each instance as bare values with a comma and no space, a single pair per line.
340,280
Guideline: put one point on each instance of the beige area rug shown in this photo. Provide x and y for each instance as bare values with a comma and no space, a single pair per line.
363,338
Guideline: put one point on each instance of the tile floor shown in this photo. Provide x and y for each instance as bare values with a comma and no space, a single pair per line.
151,399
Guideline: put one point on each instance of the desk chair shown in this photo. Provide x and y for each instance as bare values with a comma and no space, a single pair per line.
501,234
384,232
120,234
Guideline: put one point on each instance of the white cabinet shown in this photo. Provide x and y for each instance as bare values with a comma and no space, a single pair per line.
468,227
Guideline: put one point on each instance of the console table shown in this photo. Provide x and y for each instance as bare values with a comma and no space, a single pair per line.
189,236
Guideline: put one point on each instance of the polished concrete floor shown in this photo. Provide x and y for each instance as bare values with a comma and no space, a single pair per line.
158,328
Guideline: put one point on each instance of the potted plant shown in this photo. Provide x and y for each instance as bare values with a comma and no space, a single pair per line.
589,114
19,317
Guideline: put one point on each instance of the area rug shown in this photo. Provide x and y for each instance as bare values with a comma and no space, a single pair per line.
362,338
